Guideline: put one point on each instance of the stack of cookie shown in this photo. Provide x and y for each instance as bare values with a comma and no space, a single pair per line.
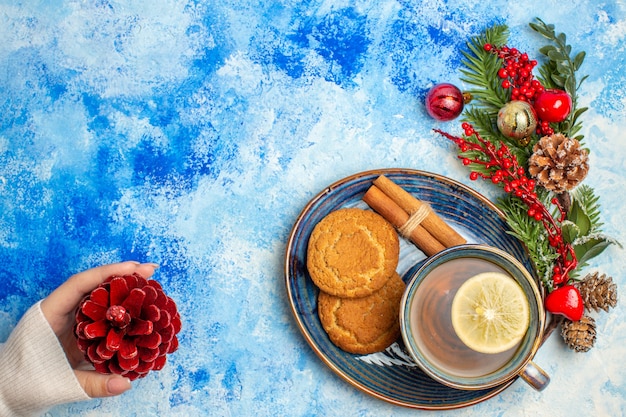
352,258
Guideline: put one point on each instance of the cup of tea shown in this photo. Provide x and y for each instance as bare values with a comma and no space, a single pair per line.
428,330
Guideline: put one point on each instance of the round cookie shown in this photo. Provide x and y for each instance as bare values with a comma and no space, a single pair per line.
352,252
363,325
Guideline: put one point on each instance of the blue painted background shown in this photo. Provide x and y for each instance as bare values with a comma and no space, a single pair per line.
192,133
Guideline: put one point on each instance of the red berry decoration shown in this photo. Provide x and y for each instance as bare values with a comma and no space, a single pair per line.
445,102
553,105
516,72
566,300
127,326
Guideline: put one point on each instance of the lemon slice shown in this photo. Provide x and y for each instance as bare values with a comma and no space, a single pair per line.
490,312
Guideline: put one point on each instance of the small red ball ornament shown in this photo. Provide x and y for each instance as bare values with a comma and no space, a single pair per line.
127,326
445,102
553,105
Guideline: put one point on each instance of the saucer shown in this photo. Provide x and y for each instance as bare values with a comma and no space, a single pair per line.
392,375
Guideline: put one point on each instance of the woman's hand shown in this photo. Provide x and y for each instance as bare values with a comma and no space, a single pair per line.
59,309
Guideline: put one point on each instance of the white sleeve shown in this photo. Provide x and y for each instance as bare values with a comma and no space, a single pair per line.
34,372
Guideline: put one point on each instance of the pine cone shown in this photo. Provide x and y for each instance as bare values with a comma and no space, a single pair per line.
598,292
127,326
579,335
558,163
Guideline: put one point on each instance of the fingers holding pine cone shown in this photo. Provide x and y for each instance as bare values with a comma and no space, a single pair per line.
127,326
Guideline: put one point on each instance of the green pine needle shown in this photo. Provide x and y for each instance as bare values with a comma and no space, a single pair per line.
532,233
488,97
481,69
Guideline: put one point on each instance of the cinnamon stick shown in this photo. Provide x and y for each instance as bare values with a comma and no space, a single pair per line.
434,224
395,215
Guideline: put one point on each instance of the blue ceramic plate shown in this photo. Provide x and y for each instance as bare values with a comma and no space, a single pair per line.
391,375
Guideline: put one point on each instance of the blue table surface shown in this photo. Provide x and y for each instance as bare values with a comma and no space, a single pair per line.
192,134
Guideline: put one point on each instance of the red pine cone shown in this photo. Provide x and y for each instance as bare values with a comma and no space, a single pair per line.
127,326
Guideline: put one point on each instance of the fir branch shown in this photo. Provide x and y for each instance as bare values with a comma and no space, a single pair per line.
532,234
488,97
580,230
483,122
481,68
559,71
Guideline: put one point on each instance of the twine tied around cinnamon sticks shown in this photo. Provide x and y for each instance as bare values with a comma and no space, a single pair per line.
414,219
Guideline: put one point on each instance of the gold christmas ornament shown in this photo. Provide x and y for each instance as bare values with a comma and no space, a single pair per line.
517,119
598,292
579,335
558,163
